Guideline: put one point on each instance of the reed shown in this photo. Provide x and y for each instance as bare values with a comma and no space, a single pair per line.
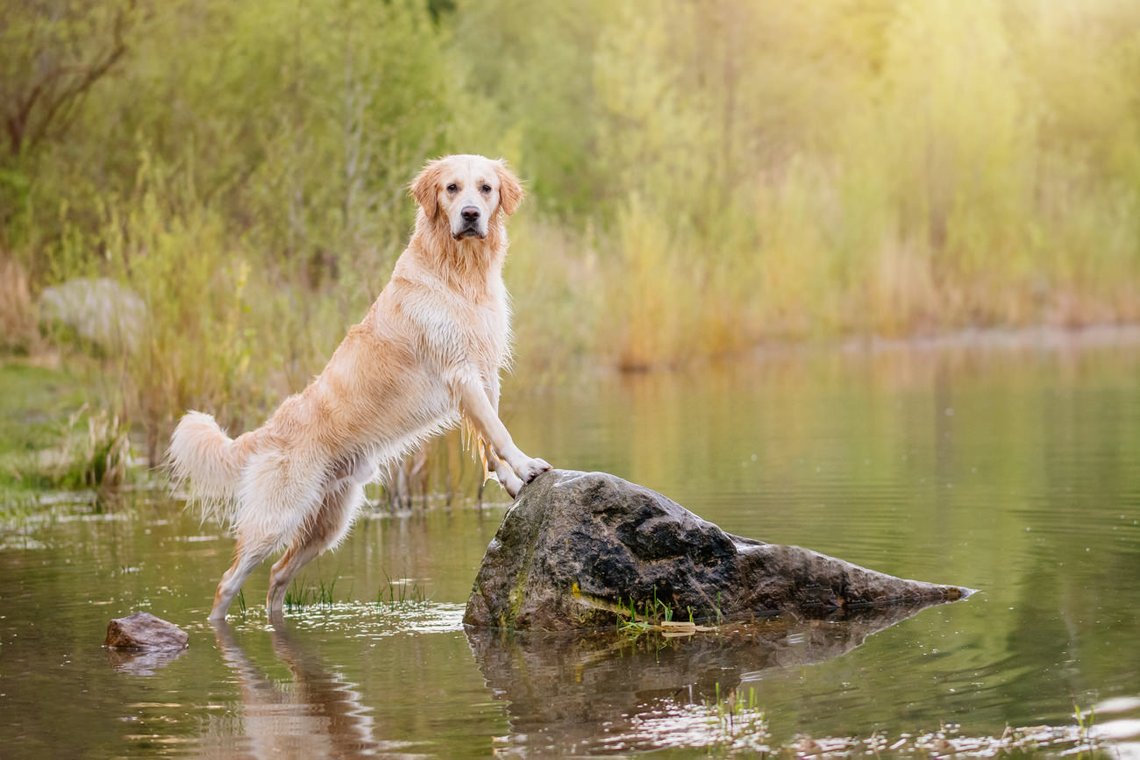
300,595
701,181
399,594
18,333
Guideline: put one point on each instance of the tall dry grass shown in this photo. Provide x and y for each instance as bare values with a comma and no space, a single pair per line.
700,180
18,333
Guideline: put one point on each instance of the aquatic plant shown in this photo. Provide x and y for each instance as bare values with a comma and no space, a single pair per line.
1085,719
655,616
395,594
948,740
300,595
739,717
731,724
96,451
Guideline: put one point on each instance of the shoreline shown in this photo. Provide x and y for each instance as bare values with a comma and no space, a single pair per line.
1041,338
1045,337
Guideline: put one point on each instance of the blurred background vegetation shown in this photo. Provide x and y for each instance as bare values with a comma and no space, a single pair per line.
704,175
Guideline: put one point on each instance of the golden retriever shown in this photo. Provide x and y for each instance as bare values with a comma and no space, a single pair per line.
427,355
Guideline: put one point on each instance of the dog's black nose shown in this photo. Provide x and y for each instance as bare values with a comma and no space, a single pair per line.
470,213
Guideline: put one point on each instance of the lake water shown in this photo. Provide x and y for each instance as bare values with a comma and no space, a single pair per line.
1011,470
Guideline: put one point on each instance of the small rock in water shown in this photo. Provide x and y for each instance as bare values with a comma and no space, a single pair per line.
143,630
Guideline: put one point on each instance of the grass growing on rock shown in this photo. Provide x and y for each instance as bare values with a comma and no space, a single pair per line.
654,615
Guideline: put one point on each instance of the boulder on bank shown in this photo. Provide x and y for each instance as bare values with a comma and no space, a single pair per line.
143,630
586,550
100,311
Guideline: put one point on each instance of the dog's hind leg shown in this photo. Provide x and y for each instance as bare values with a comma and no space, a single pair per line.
281,575
279,494
331,524
245,560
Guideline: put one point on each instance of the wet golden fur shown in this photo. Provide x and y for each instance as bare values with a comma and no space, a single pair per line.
428,353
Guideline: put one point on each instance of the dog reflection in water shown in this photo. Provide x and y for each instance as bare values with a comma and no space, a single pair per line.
318,714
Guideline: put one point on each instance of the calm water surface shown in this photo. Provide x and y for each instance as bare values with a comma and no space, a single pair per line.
1012,471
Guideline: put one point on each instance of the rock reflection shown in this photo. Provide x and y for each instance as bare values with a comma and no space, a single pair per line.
601,691
142,662
318,714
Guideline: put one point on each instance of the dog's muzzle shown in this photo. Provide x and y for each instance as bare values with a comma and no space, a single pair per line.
470,226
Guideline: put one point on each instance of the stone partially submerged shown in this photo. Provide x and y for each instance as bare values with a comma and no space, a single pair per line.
144,631
587,550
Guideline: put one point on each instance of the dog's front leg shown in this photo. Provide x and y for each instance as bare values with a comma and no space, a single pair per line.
503,472
477,407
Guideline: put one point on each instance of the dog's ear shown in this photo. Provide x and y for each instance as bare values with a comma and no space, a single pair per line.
425,187
510,189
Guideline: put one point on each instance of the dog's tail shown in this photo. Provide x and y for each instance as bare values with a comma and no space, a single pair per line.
208,462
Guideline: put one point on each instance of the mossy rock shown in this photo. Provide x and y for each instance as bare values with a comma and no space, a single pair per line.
587,550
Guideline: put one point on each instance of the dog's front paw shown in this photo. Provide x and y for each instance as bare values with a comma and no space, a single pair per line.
507,478
511,483
531,469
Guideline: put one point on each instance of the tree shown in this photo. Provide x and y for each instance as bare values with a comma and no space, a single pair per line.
55,52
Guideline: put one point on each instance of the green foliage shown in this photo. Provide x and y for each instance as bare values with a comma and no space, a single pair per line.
703,176
51,439
55,50
881,166
91,450
244,172
95,452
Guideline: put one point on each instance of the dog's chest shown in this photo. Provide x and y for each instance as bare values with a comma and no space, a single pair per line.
465,329
486,330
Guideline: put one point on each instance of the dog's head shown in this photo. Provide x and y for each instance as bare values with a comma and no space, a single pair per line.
466,192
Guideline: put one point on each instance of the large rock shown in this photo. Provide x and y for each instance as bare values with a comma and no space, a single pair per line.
143,630
577,550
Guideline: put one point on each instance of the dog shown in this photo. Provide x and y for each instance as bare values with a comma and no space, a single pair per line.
425,357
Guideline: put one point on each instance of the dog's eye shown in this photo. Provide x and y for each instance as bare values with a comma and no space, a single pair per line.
486,188
453,188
